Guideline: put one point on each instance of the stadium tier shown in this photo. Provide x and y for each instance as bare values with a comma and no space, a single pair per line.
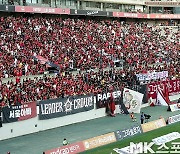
82,44
73,61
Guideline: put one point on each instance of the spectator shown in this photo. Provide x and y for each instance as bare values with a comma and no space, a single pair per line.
142,117
83,44
65,142
133,118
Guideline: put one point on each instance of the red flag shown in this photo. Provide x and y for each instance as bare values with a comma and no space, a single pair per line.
112,104
166,95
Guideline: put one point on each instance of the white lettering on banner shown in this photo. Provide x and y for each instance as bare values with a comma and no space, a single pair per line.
174,107
174,119
16,113
166,138
99,140
152,75
105,96
67,150
67,106
11,114
20,107
51,108
131,15
83,102
92,12
28,111
173,87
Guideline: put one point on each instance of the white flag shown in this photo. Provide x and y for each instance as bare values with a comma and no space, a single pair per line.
160,100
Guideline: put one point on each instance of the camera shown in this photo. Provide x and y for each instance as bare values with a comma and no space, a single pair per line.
147,116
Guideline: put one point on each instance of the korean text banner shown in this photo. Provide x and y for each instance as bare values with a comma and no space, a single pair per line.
174,119
37,9
68,149
59,107
19,112
153,125
128,132
152,76
99,141
173,87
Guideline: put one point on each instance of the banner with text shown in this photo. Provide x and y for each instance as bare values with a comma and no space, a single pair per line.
7,8
166,138
90,13
59,107
99,141
153,125
152,76
101,99
37,9
146,16
174,119
121,134
19,112
175,107
68,149
173,87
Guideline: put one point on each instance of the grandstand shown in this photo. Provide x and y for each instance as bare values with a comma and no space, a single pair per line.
70,61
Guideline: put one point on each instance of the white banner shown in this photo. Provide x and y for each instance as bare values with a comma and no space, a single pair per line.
132,100
166,138
125,150
174,119
152,76
175,107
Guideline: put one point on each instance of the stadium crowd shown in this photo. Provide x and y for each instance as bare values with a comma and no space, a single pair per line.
62,85
85,44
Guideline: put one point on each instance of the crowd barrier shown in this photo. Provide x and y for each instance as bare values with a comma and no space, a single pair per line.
69,110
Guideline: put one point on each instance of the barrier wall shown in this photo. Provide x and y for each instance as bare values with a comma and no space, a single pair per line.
116,136
34,125
15,129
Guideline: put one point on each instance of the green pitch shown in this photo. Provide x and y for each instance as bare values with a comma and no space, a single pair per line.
145,137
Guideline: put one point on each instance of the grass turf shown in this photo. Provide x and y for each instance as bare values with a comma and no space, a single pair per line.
145,137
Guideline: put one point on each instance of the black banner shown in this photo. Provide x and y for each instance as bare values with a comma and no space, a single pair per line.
121,134
101,98
122,107
91,13
19,112
143,90
7,8
59,107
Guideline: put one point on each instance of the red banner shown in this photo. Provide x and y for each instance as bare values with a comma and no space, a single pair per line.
19,112
146,16
34,9
32,111
129,15
163,16
173,87
68,149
